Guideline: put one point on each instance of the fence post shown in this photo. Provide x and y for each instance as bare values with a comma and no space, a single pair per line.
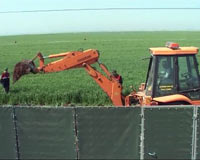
142,135
16,133
76,132
194,133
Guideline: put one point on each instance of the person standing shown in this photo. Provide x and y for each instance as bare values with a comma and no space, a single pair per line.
5,80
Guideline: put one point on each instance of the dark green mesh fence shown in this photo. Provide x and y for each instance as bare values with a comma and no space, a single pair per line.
7,134
46,133
99,133
108,133
168,133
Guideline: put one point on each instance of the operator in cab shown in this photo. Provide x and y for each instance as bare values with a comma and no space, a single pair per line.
5,80
166,72
117,76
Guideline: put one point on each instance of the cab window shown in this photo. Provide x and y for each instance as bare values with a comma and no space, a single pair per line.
187,73
188,77
165,81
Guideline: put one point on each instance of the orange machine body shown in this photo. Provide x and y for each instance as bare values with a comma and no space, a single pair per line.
178,96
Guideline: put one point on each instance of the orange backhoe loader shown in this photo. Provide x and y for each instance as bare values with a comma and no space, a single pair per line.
172,77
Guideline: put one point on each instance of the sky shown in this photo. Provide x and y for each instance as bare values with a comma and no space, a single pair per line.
97,20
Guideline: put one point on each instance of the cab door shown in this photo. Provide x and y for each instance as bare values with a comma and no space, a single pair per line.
165,81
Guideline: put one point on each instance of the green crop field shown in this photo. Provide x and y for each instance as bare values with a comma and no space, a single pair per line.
122,51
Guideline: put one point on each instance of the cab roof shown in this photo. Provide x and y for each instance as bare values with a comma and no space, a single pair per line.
169,51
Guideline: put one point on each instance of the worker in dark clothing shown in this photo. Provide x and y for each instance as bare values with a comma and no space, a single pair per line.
117,76
5,80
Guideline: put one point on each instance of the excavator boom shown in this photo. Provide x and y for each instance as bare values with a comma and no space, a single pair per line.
70,60
67,60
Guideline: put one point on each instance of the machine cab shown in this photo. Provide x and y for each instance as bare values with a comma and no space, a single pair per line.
173,70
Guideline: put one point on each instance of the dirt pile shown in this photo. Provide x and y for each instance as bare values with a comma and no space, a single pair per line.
22,68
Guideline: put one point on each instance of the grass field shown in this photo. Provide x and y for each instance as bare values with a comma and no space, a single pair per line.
122,51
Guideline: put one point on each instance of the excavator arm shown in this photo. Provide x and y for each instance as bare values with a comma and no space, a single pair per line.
70,60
